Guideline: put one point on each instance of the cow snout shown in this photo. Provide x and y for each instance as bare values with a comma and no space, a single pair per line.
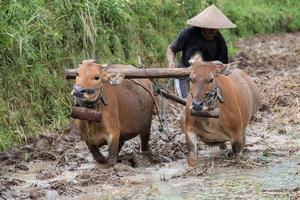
89,90
78,91
197,105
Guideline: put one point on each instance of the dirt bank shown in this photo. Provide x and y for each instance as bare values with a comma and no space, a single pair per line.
60,166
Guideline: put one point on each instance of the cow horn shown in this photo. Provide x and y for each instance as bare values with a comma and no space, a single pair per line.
105,65
89,61
217,62
234,63
196,58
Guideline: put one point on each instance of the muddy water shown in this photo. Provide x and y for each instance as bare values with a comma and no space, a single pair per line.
275,177
281,175
175,180
59,166
215,177
160,183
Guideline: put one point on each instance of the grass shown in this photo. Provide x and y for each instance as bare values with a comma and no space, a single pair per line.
39,39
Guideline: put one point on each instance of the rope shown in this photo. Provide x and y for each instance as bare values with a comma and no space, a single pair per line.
155,105
162,127
164,110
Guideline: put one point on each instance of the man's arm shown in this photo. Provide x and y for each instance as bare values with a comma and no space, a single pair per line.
223,52
177,46
171,57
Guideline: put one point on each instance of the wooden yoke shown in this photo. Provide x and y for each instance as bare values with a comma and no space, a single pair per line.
138,73
142,73
207,113
86,114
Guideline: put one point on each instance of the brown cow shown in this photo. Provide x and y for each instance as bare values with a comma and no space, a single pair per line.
216,85
126,108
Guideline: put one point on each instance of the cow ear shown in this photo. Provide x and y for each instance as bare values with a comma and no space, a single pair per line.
227,69
113,78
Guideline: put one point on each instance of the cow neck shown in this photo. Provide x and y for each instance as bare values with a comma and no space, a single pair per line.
92,104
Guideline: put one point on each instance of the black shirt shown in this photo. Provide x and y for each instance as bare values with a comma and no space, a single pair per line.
190,40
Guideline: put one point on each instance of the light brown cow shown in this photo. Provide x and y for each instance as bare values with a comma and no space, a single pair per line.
126,109
216,85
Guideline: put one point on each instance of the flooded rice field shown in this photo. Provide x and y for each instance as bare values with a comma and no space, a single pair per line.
59,166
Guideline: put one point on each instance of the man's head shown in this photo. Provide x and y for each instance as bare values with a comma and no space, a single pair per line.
209,33
211,18
89,81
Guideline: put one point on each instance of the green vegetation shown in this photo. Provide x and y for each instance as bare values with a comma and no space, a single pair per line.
39,39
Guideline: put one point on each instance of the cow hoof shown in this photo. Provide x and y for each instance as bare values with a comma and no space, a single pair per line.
147,153
223,146
227,153
230,154
100,160
236,156
152,158
237,147
110,162
192,161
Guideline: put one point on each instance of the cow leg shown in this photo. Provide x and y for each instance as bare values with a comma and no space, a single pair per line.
145,136
113,148
244,136
121,143
191,140
238,144
96,153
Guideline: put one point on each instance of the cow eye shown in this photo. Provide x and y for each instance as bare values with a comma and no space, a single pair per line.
77,74
97,78
211,80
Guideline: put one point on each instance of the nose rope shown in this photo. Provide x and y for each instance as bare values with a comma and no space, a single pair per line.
93,104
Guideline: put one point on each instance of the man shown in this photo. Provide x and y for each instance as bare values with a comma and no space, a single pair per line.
201,37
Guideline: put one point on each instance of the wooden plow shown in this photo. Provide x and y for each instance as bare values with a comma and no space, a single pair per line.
150,73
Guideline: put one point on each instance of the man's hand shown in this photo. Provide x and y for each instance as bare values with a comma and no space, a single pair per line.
172,65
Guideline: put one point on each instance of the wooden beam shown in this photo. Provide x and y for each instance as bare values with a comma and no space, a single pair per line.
173,97
86,114
70,73
208,113
142,73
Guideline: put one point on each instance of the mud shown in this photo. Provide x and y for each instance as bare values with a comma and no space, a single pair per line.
59,166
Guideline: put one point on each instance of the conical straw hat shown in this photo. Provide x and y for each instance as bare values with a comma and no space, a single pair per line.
211,17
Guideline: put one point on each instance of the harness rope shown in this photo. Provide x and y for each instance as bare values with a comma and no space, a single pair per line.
213,96
159,88
155,105
93,104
